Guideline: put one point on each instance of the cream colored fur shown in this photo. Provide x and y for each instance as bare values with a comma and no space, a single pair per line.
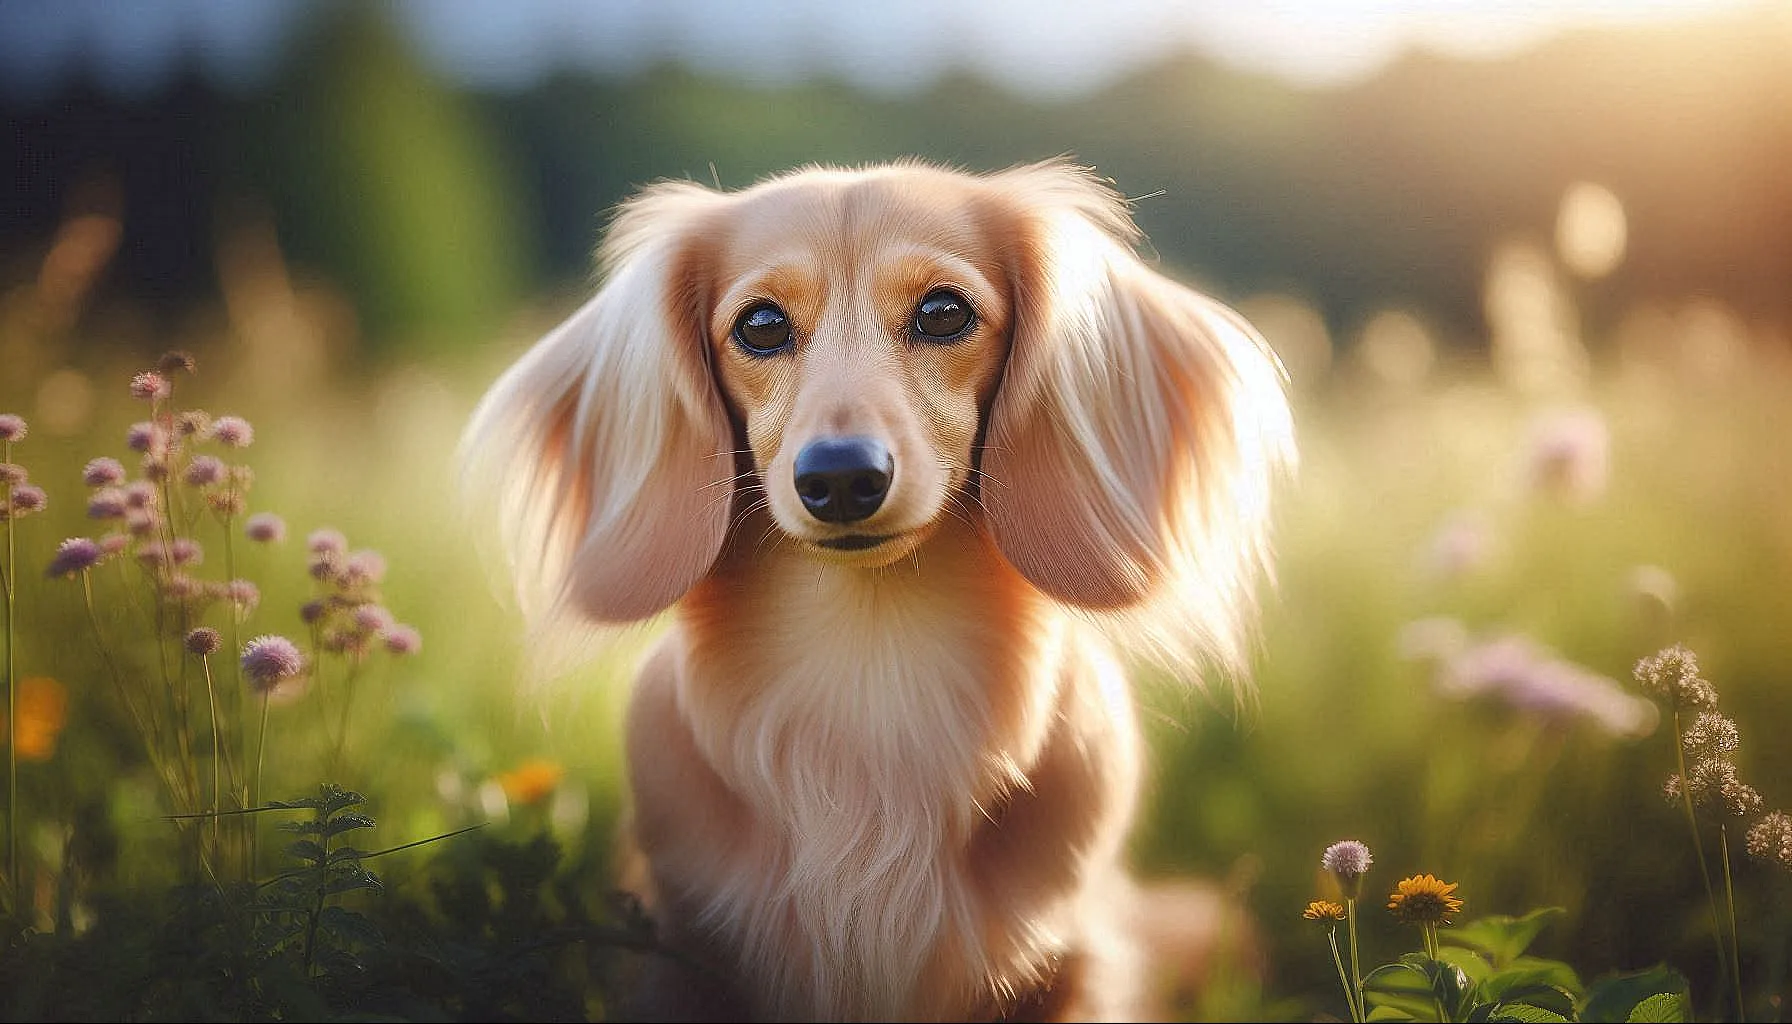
892,783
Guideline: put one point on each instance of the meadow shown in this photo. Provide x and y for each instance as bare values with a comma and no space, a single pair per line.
1484,538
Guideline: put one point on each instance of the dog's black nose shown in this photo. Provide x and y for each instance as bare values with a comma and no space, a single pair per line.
843,479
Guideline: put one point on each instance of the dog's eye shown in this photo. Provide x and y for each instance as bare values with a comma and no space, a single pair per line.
943,315
762,330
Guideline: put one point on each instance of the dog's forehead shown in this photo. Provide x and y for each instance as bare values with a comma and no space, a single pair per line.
855,216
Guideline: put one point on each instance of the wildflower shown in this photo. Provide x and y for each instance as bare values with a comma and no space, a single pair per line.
1532,679
181,587
12,428
372,618
145,437
244,594
363,568
1710,735
204,641
150,386
204,471
326,542
74,555
1569,455
114,543
1771,839
227,503
271,660
402,639
140,494
186,551
140,522
107,503
1711,783
43,709
312,612
531,781
155,467
193,423
1323,910
1348,861
265,528
1424,899
1672,675
176,361
344,641
233,431
12,473
103,472
28,498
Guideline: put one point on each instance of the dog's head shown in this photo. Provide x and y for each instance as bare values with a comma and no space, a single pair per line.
870,352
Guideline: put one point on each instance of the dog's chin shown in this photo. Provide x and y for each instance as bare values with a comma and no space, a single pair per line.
870,549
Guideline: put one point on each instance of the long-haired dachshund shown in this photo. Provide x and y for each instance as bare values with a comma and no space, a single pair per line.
911,455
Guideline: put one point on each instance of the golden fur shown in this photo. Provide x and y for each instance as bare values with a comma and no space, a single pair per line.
891,783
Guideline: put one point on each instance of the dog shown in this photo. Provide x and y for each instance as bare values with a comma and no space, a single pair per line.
914,457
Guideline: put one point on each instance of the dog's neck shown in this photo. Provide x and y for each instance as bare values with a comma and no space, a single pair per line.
870,717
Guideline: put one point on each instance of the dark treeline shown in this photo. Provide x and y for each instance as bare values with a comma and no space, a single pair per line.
436,209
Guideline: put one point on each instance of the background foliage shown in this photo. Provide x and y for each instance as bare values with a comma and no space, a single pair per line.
354,247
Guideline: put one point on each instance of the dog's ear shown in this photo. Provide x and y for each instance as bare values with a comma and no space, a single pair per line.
606,444
1138,428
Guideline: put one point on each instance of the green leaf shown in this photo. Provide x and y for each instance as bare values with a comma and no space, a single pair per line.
345,853
1525,1013
1471,963
1502,938
306,850
348,926
308,827
1547,997
1403,989
336,798
1610,999
343,822
1662,1008
1394,1013
1529,971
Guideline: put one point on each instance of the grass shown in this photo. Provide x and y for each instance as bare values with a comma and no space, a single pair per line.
1347,736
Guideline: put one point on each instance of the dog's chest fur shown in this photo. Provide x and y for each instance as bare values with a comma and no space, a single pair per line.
870,737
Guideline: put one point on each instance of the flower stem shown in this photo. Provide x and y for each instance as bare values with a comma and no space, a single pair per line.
1723,837
1698,847
261,750
1356,1015
1356,971
12,716
1429,930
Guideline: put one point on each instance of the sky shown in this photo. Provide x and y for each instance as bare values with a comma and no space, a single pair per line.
1044,47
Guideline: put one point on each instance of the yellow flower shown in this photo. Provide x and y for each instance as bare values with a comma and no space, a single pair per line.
531,781
1424,899
1324,910
43,710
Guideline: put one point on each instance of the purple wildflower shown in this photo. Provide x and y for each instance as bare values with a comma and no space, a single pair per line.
74,555
326,541
103,472
372,618
28,498
145,437
1348,861
265,528
107,503
204,471
186,551
150,386
271,660
233,431
204,641
1570,454
403,639
363,568
12,427
244,594
176,361
114,543
312,612
140,494
13,473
